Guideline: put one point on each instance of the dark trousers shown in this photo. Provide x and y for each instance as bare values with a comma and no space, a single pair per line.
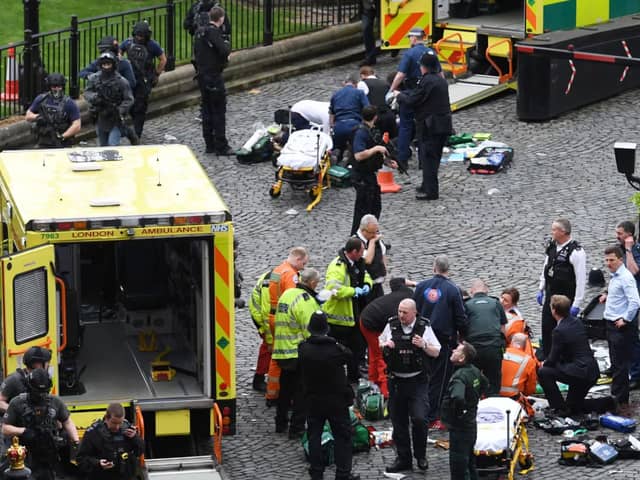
441,370
290,396
462,461
406,130
578,388
634,368
341,430
548,324
299,122
430,153
351,338
140,104
409,402
620,346
214,109
368,198
386,122
368,35
489,361
343,132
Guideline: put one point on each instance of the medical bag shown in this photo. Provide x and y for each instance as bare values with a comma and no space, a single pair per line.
339,176
490,160
261,151
618,423
603,453
326,441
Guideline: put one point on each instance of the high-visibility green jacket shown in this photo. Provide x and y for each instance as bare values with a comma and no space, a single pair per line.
295,308
339,308
259,306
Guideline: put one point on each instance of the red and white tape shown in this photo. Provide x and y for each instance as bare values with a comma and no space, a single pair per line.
572,78
628,52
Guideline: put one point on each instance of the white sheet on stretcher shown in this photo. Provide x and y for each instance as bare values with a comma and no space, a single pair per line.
304,149
492,423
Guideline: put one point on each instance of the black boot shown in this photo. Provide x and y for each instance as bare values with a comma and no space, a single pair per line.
259,383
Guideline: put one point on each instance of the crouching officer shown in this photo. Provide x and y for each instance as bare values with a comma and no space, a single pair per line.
33,416
56,116
459,409
110,447
407,342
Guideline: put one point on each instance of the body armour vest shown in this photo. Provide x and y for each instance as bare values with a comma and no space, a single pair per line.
373,163
559,275
377,91
52,110
405,357
377,268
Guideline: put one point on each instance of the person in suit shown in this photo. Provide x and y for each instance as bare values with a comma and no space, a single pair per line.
570,361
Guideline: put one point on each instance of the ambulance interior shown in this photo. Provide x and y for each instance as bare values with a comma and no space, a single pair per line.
498,15
131,303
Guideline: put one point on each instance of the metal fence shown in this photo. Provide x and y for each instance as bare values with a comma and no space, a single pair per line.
25,64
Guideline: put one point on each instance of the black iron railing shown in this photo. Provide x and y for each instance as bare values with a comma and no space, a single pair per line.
25,64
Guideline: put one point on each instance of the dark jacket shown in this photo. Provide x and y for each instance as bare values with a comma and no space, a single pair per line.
430,102
485,315
460,401
100,443
211,52
376,314
570,351
440,300
325,386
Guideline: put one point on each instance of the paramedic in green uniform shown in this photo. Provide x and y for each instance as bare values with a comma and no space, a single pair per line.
486,330
459,409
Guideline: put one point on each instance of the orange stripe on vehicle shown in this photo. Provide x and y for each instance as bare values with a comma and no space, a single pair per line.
531,17
404,28
222,265
222,317
387,19
223,367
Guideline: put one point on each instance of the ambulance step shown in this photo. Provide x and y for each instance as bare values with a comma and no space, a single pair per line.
192,468
480,79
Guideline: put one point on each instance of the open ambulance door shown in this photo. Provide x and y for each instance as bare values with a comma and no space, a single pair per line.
398,17
29,312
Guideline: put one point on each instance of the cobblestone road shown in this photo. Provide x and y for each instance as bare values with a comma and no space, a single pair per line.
562,168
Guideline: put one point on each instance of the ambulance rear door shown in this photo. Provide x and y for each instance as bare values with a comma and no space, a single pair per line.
29,312
398,17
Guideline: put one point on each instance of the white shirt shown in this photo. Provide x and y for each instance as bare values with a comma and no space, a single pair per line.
363,86
578,259
315,112
428,336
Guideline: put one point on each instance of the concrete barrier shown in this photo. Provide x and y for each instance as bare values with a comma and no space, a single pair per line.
246,69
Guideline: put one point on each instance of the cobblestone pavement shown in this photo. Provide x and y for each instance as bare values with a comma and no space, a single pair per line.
564,167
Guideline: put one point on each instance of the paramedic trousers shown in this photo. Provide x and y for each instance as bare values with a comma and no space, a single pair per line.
430,154
409,403
340,423
290,396
462,461
368,197
264,355
377,365
489,361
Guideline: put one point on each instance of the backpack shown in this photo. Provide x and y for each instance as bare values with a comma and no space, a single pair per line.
261,151
140,59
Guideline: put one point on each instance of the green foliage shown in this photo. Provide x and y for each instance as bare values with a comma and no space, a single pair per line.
635,199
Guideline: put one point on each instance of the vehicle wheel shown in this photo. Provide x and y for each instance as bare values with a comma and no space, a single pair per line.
274,192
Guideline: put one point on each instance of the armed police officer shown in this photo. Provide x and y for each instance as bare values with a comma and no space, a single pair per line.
56,115
198,17
142,52
459,409
407,78
211,52
33,417
16,383
430,105
369,156
109,97
408,342
110,447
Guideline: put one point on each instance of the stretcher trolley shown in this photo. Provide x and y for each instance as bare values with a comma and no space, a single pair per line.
303,163
502,444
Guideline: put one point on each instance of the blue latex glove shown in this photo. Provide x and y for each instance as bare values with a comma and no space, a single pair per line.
540,297
366,289
574,311
361,291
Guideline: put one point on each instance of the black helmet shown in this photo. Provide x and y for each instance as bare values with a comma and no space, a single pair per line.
38,381
143,29
55,80
596,278
106,57
108,44
429,60
36,355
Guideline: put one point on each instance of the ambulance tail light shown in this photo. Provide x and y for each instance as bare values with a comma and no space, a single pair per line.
76,225
189,220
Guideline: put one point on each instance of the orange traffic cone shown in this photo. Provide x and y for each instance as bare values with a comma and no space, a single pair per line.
387,183
11,77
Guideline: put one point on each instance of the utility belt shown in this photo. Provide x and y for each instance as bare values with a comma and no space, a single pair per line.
420,377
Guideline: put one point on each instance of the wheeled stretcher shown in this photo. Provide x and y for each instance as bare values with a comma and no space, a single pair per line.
502,444
303,163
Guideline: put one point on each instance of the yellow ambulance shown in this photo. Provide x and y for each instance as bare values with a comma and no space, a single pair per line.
120,260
